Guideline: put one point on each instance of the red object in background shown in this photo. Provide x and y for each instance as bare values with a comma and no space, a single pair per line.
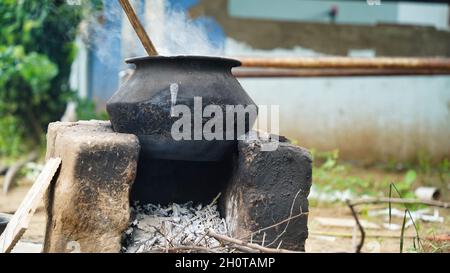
333,13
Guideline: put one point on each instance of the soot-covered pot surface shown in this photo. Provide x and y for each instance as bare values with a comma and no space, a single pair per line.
142,105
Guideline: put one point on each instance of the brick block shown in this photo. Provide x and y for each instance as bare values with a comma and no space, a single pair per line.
266,189
88,204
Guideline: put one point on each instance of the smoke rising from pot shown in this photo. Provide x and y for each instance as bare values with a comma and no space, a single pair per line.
182,36
171,30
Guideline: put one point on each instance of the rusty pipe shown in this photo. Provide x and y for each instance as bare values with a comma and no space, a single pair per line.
333,72
348,62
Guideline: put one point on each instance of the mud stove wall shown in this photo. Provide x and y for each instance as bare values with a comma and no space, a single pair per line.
88,205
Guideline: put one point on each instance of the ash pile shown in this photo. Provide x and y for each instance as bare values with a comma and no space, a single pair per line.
174,228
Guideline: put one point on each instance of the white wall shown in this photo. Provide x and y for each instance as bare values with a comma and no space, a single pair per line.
367,118
349,12
355,12
424,14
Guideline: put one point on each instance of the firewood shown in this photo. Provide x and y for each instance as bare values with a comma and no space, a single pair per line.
238,242
20,220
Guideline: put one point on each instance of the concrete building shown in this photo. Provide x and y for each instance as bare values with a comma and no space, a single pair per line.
366,118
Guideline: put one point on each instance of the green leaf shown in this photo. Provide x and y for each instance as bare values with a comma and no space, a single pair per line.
36,52
38,70
410,177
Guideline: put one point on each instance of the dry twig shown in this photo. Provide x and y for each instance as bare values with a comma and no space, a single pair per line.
361,229
348,235
279,223
224,238
381,200
199,249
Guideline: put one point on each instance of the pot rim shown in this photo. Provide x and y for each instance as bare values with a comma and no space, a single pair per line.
149,59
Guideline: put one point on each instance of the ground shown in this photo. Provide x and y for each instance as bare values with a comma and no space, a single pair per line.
334,239
321,238
11,201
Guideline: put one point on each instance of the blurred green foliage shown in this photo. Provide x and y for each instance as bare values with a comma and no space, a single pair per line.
331,175
86,110
10,141
36,52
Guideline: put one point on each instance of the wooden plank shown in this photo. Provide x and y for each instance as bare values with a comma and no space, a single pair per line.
344,222
20,220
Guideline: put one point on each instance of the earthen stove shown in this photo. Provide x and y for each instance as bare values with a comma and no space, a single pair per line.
106,168
101,175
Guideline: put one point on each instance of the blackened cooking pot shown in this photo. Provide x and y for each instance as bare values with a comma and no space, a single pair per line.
142,105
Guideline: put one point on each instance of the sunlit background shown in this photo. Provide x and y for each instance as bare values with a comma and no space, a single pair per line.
62,60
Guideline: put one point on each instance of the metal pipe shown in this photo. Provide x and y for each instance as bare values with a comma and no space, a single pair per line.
348,63
327,72
428,193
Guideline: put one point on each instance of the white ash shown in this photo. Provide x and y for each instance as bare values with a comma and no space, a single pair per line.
156,228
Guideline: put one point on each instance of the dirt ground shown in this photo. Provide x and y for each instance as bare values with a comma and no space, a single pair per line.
321,238
338,239
10,202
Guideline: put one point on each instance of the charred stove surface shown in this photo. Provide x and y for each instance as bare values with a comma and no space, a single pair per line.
88,204
269,189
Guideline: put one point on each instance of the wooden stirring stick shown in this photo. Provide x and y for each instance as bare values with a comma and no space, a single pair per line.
140,31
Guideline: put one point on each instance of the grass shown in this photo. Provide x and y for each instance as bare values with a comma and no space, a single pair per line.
329,174
332,175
